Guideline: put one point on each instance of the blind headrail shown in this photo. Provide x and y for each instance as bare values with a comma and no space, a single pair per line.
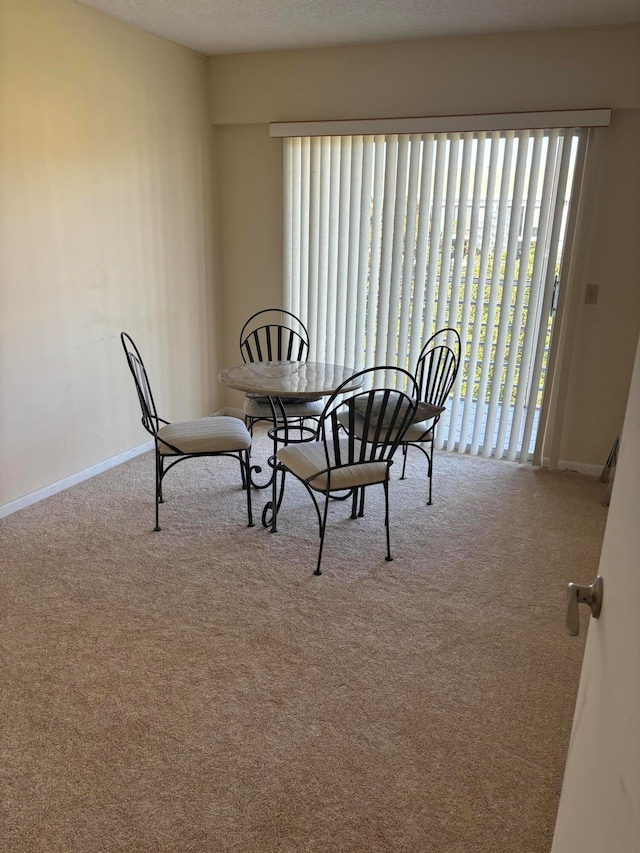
444,124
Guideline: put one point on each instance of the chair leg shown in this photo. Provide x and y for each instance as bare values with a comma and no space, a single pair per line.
323,527
248,422
386,518
354,503
160,478
158,489
404,460
430,457
247,485
361,510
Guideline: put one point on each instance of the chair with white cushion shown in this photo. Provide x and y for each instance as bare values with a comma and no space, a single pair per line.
436,371
340,465
210,436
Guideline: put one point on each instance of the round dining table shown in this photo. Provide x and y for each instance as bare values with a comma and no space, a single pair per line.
279,381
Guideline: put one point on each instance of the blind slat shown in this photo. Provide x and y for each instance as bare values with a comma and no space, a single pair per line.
399,224
510,382
314,245
323,285
483,263
376,242
443,302
447,227
480,437
336,223
424,206
456,278
466,305
290,285
496,397
434,238
409,250
305,206
343,240
356,189
359,345
386,251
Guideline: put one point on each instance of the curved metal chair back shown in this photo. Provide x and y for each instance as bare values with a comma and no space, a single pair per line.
382,409
438,365
436,372
274,335
150,419
359,431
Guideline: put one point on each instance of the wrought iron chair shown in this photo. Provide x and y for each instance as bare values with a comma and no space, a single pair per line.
436,371
274,334
210,436
339,464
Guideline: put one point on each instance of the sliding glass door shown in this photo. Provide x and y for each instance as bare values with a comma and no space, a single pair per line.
390,237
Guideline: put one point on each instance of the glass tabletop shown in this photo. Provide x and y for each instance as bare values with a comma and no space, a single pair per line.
288,378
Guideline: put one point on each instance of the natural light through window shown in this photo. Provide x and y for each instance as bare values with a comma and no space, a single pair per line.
390,237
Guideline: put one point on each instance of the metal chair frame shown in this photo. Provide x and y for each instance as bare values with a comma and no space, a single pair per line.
274,334
264,339
436,371
152,422
397,406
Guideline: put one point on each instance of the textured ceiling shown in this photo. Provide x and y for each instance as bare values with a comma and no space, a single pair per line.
240,26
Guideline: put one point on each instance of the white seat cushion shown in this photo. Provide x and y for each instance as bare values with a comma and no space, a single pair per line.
259,407
205,435
421,431
309,458
424,411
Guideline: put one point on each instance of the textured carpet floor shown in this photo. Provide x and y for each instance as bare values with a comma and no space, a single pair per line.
199,689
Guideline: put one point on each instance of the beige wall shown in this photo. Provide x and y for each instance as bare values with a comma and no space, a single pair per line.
565,69
105,224
250,205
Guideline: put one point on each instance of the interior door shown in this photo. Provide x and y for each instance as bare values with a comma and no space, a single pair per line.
600,802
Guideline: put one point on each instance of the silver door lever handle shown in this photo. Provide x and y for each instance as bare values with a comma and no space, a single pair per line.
580,594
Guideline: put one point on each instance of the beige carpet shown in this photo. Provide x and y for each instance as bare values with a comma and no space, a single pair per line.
199,689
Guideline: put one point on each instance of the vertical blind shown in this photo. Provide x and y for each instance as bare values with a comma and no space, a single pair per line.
388,238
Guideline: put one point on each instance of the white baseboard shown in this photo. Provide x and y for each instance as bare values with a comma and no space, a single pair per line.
579,467
73,480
